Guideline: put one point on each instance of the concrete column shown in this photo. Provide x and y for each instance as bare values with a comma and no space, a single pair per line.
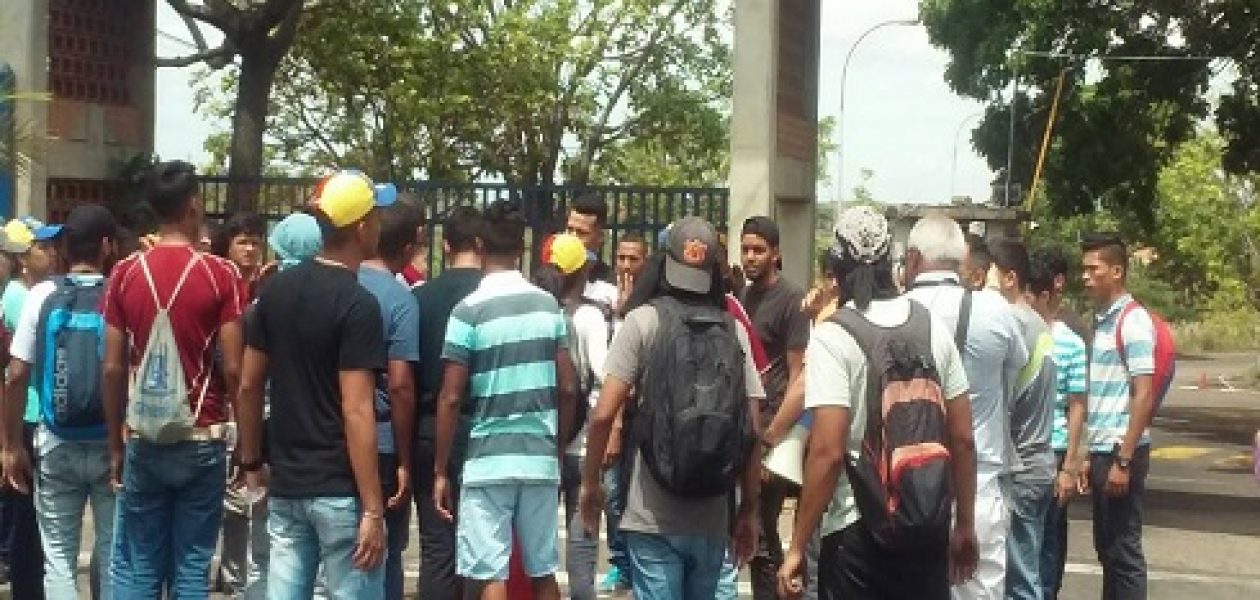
774,124
24,45
752,114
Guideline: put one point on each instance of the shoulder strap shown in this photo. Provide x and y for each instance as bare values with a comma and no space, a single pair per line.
1124,312
179,285
964,321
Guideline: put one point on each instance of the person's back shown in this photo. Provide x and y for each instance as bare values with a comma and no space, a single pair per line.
173,486
993,352
307,443
436,299
508,332
1032,411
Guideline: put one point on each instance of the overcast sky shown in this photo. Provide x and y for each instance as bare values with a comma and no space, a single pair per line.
900,121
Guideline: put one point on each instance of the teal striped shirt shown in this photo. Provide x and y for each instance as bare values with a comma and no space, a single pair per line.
1072,362
507,332
1109,379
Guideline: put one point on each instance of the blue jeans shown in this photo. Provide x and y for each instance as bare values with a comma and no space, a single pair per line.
675,567
615,487
309,532
1054,546
168,518
1118,527
397,528
1030,501
68,477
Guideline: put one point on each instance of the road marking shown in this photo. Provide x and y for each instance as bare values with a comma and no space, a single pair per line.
1179,452
1201,578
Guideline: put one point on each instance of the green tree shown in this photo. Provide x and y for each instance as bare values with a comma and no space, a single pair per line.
627,91
256,35
1120,120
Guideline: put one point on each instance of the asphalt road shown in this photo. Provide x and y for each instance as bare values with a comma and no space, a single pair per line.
1202,533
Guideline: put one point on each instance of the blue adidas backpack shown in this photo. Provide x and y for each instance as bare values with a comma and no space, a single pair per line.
69,346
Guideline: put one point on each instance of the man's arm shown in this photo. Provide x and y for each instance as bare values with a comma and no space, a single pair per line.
612,399
249,405
1141,411
789,413
232,346
357,390
824,461
17,463
114,397
1077,407
566,397
451,395
402,409
964,549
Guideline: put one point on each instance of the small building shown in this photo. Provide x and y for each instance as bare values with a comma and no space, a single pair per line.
83,107
989,222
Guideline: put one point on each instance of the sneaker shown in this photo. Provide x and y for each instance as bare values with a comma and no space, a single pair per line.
614,581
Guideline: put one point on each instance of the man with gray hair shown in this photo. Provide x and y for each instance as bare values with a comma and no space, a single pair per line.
993,352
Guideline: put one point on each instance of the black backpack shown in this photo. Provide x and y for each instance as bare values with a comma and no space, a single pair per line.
693,427
901,478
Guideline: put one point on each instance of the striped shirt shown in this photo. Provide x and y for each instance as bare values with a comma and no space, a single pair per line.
1109,376
508,332
1071,360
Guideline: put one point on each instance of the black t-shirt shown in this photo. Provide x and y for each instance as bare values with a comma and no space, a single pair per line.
313,321
781,325
436,299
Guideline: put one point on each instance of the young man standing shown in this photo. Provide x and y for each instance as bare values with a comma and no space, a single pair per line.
506,353
31,244
676,543
632,254
461,242
988,336
1121,406
783,328
1032,419
241,241
395,387
1071,361
317,335
170,503
588,216
71,471
853,565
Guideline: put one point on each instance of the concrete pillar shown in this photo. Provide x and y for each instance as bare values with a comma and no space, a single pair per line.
24,45
774,125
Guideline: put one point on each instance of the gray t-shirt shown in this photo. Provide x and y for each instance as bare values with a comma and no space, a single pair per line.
1032,410
649,508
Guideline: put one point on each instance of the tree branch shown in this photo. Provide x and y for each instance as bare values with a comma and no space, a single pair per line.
216,58
221,15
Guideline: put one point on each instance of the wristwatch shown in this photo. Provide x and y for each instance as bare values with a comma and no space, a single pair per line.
1121,462
250,467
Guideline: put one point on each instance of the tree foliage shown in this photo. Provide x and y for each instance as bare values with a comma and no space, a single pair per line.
624,91
1120,120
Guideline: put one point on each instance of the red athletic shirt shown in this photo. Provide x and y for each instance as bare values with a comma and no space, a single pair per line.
212,296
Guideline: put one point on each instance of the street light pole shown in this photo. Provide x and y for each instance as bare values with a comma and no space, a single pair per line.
844,78
953,165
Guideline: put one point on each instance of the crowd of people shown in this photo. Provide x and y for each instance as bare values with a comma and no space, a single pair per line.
288,414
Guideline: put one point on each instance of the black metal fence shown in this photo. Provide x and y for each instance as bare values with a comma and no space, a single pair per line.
640,210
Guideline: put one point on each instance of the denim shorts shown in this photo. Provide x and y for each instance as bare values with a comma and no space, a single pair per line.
488,516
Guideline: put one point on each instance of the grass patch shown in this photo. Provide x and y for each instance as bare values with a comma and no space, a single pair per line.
1236,330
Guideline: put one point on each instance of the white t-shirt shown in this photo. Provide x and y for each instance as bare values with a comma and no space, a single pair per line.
835,376
601,291
588,345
